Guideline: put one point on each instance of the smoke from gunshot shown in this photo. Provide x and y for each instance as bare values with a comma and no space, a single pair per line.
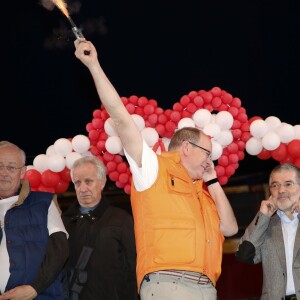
62,35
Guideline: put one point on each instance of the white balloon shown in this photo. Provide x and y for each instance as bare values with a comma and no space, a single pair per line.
202,117
150,135
139,121
81,143
186,122
50,150
286,132
213,118
258,128
297,132
56,162
88,153
63,147
213,130
224,119
271,141
216,150
113,144
254,146
40,163
109,127
273,122
71,158
225,138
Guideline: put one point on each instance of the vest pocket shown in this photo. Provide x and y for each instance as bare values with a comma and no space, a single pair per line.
174,241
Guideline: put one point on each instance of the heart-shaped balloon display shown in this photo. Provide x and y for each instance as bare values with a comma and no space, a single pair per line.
216,112
202,109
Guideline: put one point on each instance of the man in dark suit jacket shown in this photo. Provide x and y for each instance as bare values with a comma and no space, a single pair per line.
102,235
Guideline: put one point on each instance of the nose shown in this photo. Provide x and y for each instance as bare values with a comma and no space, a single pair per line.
281,187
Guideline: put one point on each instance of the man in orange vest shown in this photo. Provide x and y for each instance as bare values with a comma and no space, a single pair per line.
180,223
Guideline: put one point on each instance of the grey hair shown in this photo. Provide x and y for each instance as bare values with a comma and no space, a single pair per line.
286,167
99,165
22,153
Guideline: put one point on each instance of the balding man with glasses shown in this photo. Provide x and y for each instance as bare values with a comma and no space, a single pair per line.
181,213
33,239
273,237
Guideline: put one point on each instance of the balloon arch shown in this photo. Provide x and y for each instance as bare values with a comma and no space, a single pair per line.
216,112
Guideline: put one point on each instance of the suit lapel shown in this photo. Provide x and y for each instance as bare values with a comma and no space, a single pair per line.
277,238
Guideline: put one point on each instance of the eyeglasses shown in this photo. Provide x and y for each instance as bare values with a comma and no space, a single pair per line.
286,184
207,152
10,169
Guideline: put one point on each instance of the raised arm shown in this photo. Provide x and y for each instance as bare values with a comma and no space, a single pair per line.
128,132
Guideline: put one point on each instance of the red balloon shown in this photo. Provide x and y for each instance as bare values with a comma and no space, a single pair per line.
153,118
113,175
294,148
220,170
236,102
50,178
142,101
108,156
216,91
149,109
127,189
175,116
198,100
280,153
297,162
65,174
130,108
233,158
233,147
123,178
223,161
122,167
223,180
111,166
178,107
216,101
185,100
97,123
48,189
264,154
118,158
133,99
253,119
227,98
229,170
289,159
61,187
120,184
97,113
241,155
34,177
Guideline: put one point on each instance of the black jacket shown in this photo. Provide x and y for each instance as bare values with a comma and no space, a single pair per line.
111,269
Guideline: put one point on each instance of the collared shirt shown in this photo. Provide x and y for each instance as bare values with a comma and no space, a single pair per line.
289,229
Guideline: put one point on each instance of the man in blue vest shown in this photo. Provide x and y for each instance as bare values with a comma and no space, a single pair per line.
34,244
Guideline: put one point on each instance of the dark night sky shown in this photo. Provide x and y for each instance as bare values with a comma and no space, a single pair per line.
158,49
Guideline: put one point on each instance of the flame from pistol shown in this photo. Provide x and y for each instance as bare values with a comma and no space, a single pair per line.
62,6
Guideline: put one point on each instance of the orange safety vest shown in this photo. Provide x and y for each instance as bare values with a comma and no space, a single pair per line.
176,223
